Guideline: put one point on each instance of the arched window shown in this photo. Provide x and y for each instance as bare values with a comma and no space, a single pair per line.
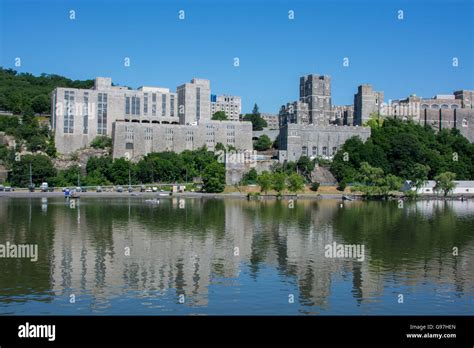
434,106
454,106
425,106
315,151
464,122
304,151
325,151
444,106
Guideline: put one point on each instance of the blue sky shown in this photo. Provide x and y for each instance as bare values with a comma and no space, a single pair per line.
399,57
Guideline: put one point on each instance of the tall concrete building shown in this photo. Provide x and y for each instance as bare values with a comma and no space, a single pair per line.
231,105
79,115
315,90
194,100
134,140
366,102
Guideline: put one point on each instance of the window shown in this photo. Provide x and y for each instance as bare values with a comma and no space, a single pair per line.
464,122
129,130
127,105
148,133
315,151
454,106
304,151
85,113
325,151
198,103
153,105
135,106
163,105
102,114
444,106
425,106
435,106
334,150
145,103
69,112
128,146
171,105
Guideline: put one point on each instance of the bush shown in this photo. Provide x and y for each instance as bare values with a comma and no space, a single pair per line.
342,185
101,142
315,186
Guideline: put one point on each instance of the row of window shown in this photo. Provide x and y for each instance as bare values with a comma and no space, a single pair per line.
315,152
69,102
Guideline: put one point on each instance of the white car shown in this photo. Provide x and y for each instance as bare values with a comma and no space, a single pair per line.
155,189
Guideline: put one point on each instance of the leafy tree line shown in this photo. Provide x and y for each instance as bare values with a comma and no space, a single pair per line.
406,150
165,167
23,92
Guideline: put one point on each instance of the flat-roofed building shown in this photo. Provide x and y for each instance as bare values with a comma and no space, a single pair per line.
231,105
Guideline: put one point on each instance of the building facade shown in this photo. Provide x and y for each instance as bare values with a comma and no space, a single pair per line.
316,141
194,99
366,102
134,140
231,105
315,90
312,126
271,119
79,115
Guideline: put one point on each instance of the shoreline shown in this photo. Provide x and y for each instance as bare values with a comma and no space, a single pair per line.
234,195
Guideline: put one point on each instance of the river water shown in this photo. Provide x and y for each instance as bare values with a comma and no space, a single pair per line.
202,256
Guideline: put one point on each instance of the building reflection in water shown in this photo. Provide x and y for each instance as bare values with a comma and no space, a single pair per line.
186,249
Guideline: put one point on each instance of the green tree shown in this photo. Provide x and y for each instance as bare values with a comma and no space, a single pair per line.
419,175
40,103
258,123
263,143
445,182
219,116
255,110
214,178
279,182
101,142
264,180
295,183
41,167
119,171
250,177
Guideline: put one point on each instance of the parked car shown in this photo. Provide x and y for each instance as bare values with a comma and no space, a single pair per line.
51,189
78,189
2,188
98,189
130,189
155,189
8,188
142,188
83,189
31,187
44,187
120,189
148,189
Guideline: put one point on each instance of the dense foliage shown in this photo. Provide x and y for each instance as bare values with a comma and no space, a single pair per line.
407,150
165,167
23,92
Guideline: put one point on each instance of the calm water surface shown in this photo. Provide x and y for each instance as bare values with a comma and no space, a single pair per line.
188,252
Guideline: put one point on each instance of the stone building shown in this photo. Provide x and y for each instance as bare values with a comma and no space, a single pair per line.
79,115
462,119
231,105
134,140
316,141
312,126
271,119
315,91
194,99
466,97
366,102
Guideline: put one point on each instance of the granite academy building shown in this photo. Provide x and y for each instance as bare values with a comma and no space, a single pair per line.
309,127
143,120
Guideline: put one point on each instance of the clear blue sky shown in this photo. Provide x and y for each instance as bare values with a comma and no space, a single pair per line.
399,57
